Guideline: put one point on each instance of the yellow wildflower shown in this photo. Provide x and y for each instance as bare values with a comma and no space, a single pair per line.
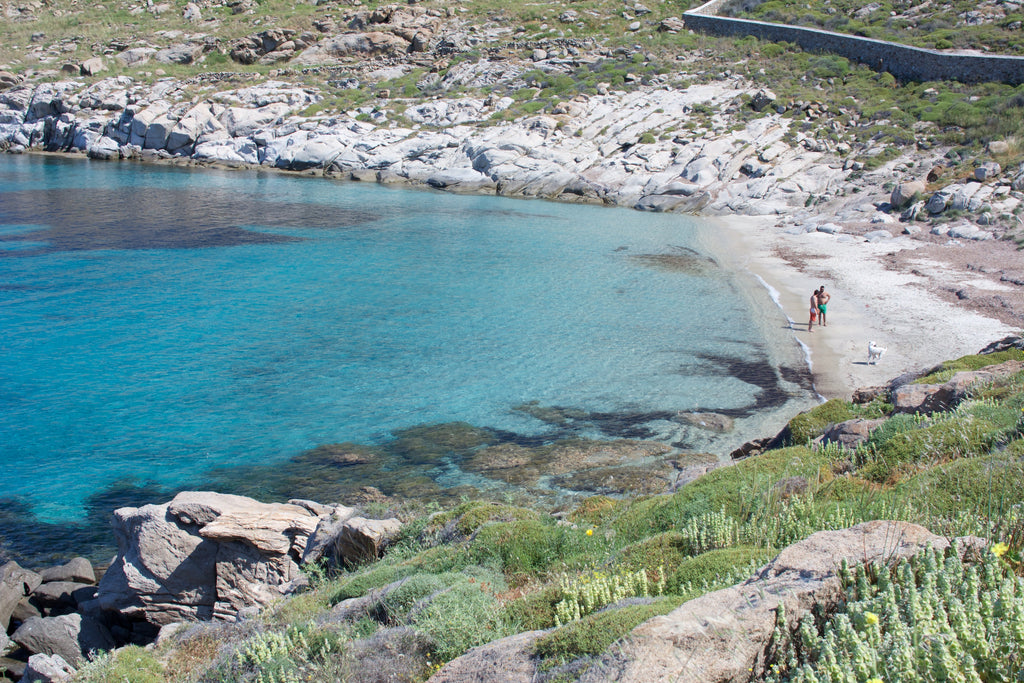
875,680
999,549
871,618
590,532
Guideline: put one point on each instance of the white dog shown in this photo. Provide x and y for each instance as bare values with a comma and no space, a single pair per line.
874,352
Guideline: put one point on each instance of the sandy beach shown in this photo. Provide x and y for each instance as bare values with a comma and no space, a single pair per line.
897,293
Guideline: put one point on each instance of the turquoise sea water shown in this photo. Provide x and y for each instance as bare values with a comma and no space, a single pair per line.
158,323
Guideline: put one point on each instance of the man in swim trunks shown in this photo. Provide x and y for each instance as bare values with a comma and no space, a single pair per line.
823,298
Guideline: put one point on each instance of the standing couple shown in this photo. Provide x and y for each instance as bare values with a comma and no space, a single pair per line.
819,305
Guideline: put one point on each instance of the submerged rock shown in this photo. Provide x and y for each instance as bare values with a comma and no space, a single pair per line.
641,481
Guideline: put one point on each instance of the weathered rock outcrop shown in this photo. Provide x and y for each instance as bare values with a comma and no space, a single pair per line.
342,539
930,398
851,433
16,583
508,660
44,668
721,637
203,555
72,636
209,555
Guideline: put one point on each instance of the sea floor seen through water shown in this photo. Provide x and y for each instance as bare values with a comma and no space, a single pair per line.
166,328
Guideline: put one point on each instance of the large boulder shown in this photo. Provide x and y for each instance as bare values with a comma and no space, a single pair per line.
62,595
903,193
15,584
179,54
204,555
851,433
198,123
136,56
722,635
92,66
509,660
368,44
142,120
72,636
244,121
343,540
78,569
762,99
930,398
44,668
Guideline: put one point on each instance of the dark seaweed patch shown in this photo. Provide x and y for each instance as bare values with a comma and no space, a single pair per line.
154,218
801,376
681,260
759,373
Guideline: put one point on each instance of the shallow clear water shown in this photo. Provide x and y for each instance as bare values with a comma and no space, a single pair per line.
159,322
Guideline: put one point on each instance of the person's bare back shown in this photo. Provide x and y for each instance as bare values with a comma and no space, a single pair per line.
813,311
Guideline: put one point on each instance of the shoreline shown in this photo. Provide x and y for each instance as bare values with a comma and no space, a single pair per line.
887,303
898,309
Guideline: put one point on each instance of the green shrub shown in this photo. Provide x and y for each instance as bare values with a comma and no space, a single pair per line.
987,485
131,664
895,425
469,517
590,591
666,550
530,546
948,439
733,490
404,596
281,656
807,426
459,618
594,633
595,511
534,611
973,362
357,585
712,567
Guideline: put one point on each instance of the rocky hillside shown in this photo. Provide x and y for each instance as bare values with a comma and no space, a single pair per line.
592,102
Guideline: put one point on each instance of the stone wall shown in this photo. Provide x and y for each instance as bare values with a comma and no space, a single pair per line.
902,61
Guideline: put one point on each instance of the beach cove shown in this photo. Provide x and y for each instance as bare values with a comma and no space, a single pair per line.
141,375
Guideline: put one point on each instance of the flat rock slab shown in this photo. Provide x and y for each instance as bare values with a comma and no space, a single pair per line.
722,636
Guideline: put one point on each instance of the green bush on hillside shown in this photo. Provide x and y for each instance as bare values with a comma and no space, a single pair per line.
592,634
131,664
464,616
697,574
952,438
973,362
806,426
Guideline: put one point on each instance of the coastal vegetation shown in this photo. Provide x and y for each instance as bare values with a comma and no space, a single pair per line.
587,575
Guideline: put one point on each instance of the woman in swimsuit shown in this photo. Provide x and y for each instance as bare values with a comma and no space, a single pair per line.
814,311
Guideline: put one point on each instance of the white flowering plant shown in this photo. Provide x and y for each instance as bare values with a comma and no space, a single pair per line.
931,619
